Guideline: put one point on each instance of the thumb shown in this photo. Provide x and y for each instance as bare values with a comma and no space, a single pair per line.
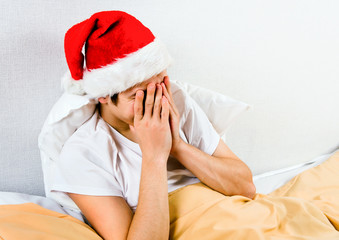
133,131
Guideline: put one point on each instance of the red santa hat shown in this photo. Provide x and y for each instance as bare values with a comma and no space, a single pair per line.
119,53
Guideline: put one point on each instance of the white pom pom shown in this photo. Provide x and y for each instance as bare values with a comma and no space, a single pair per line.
72,86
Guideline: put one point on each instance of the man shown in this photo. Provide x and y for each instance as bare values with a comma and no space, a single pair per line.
144,140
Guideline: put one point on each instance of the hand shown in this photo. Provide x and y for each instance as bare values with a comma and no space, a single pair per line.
174,114
152,127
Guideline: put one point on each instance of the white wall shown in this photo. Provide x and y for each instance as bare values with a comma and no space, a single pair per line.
281,57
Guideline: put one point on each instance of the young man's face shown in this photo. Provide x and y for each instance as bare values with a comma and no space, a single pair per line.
124,110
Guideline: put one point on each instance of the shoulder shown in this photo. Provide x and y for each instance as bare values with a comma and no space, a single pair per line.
94,125
90,138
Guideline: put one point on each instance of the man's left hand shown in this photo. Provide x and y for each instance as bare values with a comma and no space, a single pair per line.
174,115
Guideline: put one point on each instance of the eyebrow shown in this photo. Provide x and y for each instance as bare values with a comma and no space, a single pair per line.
133,89
133,92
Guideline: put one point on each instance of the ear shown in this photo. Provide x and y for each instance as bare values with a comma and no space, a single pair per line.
104,100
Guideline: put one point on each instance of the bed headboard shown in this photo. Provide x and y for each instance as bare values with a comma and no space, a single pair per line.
280,57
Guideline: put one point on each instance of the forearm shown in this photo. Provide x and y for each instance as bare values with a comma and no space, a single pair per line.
226,175
151,218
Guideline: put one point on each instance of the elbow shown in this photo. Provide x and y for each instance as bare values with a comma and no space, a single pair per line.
246,186
246,189
240,182
250,190
249,187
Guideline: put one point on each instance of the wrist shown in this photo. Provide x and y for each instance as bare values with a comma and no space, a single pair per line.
155,159
177,148
154,166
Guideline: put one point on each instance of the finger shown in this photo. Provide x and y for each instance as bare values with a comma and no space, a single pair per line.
166,94
157,102
149,99
138,106
173,112
164,109
168,85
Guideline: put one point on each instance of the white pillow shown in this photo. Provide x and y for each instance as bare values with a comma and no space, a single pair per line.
67,114
71,111
220,109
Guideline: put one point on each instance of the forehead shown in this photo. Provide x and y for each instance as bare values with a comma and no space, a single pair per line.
137,86
141,85
132,90
157,78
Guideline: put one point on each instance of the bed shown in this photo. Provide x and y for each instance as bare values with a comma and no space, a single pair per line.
213,216
265,74
283,213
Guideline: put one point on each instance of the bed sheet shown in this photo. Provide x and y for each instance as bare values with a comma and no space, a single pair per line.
268,182
304,208
20,198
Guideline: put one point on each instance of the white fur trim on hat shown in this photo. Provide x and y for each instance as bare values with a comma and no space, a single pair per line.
122,74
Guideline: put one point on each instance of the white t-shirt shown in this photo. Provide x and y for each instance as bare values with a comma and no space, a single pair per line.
97,160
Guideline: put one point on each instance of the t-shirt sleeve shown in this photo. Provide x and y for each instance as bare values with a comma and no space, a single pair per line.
80,169
198,129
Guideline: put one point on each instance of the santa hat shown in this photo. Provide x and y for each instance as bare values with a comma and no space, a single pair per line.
119,53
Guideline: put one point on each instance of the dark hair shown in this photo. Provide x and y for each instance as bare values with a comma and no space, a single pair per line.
114,99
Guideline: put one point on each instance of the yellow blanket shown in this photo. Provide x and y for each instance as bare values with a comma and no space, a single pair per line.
30,221
307,207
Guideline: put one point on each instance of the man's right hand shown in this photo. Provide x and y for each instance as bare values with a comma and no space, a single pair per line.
152,127
153,133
